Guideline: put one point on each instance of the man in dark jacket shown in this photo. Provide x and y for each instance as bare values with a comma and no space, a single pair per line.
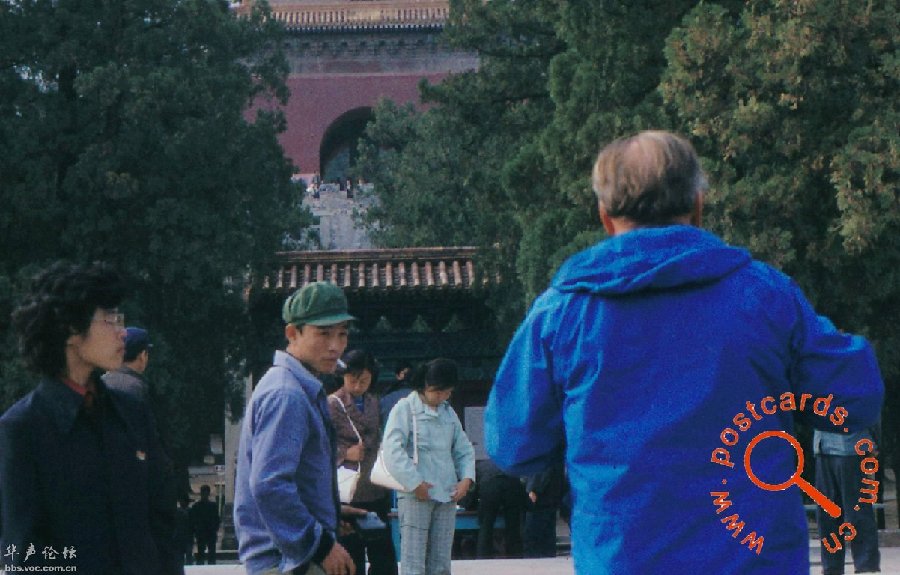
545,492
130,377
398,389
83,481
498,493
205,523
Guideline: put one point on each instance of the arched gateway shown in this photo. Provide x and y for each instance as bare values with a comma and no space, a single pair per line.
345,56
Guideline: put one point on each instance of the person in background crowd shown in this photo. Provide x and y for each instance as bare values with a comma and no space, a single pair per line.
205,524
84,482
184,533
545,492
354,410
400,388
130,377
286,508
839,477
443,475
653,361
498,492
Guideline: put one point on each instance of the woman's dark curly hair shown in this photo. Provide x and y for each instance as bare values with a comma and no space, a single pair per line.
439,374
61,301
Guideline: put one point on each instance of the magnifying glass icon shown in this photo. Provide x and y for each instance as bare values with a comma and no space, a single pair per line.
826,504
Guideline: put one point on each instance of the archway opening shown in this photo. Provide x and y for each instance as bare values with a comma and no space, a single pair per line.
338,150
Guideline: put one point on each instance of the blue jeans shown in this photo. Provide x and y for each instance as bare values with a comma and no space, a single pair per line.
839,478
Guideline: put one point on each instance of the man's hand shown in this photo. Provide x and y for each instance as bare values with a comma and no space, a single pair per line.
345,528
355,453
338,562
422,491
350,511
461,489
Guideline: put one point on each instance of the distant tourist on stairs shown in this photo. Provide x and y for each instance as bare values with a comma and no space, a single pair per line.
205,524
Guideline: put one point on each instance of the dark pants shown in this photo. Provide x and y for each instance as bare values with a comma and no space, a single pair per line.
540,532
839,479
188,552
504,494
378,546
206,550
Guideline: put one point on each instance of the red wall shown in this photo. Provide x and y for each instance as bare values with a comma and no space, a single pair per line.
317,101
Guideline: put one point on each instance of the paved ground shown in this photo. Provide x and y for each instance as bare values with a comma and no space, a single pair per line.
890,565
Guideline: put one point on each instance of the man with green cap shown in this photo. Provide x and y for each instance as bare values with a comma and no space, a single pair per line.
286,508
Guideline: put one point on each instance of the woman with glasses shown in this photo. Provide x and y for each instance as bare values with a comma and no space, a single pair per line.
83,480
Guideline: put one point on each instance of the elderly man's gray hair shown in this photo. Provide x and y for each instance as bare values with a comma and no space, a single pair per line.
649,178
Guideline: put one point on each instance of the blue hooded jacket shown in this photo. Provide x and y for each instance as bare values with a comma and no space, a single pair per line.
650,364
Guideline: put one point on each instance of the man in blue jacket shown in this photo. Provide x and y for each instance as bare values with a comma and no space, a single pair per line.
286,507
652,362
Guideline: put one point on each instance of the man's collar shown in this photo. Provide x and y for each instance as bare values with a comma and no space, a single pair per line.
128,371
303,373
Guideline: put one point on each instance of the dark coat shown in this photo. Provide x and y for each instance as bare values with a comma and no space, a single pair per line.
128,380
368,423
205,520
549,486
99,486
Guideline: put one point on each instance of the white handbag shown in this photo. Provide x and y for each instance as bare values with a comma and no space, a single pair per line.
380,474
347,478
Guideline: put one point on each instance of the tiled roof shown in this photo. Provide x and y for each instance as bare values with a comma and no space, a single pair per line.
373,14
439,268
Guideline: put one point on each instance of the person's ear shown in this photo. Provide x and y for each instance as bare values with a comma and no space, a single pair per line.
606,220
697,211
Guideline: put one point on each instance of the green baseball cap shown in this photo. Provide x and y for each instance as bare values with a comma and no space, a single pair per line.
319,303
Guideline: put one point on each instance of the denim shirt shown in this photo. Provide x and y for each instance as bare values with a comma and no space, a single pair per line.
446,455
284,496
828,443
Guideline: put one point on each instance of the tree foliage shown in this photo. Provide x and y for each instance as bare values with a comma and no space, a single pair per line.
555,82
792,104
126,138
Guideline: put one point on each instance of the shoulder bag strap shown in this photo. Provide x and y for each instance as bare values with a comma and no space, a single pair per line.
356,431
415,436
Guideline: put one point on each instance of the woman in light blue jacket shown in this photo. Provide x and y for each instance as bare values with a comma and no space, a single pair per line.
443,474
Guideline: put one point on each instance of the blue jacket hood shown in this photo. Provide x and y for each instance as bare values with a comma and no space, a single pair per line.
650,259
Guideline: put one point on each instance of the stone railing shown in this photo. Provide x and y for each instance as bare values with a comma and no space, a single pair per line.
365,14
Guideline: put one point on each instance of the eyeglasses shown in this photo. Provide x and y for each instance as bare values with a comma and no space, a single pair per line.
115,319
